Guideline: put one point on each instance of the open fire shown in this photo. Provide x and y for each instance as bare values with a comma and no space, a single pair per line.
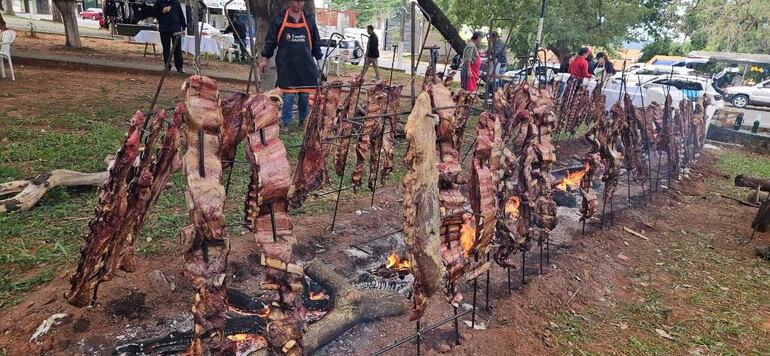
512,207
468,233
317,295
572,180
394,262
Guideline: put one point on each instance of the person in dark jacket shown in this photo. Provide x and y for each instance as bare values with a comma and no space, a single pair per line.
295,34
602,61
238,29
372,53
171,23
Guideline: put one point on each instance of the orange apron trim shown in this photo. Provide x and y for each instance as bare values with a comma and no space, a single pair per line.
288,24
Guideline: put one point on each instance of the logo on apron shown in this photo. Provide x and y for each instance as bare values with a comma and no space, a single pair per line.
296,38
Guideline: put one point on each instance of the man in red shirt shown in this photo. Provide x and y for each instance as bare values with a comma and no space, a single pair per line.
578,69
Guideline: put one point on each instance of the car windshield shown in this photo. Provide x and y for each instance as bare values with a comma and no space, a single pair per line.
346,44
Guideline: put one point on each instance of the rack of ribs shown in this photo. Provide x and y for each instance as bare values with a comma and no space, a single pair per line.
610,153
631,135
136,179
310,172
234,128
345,127
481,185
377,105
266,215
451,199
421,205
389,134
206,257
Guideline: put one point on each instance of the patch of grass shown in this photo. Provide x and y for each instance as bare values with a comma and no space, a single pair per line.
734,162
10,289
644,347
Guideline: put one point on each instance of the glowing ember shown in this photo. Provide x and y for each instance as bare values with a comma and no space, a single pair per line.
317,295
468,233
572,180
396,263
238,337
265,313
512,207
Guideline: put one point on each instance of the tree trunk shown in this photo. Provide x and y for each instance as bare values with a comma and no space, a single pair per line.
443,25
558,51
70,19
56,15
742,180
2,23
8,7
30,191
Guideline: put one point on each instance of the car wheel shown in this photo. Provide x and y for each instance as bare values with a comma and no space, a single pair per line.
740,101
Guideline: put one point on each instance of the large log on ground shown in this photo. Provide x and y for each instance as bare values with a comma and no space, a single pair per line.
351,306
31,191
743,180
421,205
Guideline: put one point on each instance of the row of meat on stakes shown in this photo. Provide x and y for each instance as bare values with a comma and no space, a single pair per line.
455,219
627,138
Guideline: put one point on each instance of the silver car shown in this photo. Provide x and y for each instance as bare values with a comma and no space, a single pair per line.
745,95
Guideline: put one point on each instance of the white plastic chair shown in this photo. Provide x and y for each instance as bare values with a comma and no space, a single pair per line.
5,52
226,48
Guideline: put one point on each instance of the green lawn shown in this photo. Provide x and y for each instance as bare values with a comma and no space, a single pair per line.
39,244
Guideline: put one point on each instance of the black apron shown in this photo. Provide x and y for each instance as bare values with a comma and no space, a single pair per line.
297,69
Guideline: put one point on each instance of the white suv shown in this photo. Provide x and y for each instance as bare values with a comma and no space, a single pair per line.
755,95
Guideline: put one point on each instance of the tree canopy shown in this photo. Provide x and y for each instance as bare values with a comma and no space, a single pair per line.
569,24
367,9
733,26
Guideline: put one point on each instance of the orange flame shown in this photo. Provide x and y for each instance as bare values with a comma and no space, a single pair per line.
468,234
265,313
396,263
317,295
572,180
512,207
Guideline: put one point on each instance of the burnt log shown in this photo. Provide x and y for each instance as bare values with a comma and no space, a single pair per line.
351,306
743,180
31,191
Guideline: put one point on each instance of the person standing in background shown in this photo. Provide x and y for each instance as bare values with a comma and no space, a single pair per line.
578,69
170,23
471,63
238,29
295,34
372,53
497,55
604,67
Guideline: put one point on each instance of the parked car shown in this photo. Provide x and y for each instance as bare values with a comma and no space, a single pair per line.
648,72
545,72
655,89
744,95
93,13
348,48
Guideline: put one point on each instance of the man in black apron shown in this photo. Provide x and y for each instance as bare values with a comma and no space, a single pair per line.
295,34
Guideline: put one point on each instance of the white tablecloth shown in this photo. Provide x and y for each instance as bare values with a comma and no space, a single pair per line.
208,45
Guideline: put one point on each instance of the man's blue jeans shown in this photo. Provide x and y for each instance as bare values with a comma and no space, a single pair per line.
288,106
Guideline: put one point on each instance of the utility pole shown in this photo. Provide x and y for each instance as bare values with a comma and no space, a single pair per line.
539,37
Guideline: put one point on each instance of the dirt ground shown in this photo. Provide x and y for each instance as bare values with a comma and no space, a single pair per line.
690,286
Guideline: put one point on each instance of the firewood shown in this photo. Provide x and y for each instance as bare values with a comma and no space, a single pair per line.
743,180
31,191
351,306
